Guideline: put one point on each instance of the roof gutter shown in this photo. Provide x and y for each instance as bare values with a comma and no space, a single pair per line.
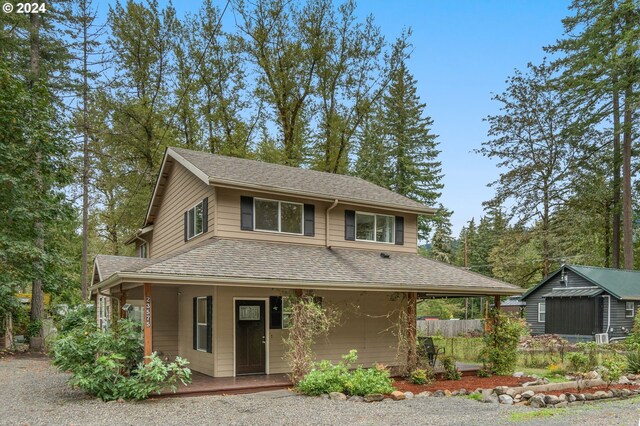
326,223
165,279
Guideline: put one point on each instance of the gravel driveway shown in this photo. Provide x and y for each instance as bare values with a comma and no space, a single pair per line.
32,392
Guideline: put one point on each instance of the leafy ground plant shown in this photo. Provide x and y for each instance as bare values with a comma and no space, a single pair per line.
109,364
451,372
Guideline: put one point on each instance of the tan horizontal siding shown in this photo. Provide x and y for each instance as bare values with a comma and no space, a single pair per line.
228,223
165,321
198,360
182,192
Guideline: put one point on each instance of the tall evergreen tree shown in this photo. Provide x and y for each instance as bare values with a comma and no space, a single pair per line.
442,242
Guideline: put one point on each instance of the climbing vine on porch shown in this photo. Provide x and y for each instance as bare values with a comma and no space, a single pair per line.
310,320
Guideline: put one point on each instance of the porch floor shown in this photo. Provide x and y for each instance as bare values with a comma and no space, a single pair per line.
207,385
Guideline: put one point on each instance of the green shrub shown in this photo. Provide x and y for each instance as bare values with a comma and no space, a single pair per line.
483,373
110,365
591,350
500,352
578,362
451,372
365,381
326,377
421,376
633,358
612,368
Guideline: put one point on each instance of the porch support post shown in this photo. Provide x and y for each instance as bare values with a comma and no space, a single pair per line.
412,354
496,302
148,322
123,301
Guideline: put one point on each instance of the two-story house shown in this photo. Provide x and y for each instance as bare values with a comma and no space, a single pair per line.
226,242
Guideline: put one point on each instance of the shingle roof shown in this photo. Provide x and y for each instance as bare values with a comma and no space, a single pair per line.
108,265
620,283
513,301
573,292
276,177
316,265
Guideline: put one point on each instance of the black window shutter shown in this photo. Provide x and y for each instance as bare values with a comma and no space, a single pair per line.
350,225
246,213
186,237
309,219
209,323
399,230
275,312
205,215
195,323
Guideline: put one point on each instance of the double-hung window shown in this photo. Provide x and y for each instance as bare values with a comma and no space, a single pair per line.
629,309
144,250
542,312
375,227
195,220
201,316
278,216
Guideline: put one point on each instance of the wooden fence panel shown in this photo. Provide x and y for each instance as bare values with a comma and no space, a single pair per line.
449,328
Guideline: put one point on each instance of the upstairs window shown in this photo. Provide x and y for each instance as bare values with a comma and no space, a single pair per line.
629,309
144,250
278,216
375,227
196,220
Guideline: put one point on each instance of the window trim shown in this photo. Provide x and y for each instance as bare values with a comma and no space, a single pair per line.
375,227
626,309
544,311
144,245
198,324
200,203
279,231
282,313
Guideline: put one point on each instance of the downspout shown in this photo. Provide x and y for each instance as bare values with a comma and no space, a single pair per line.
326,228
608,313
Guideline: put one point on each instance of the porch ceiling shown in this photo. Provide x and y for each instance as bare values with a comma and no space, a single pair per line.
256,263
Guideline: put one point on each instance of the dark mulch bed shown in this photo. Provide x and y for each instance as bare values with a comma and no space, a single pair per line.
470,383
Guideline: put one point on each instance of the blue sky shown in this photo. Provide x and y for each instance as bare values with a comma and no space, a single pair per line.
464,50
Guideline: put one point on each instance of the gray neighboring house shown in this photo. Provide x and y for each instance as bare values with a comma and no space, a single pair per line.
578,302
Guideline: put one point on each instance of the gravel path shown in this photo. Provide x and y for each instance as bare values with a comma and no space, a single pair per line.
33,393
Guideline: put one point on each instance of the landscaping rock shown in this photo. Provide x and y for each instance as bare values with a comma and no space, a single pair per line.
337,396
424,394
463,391
592,375
575,403
580,397
521,403
455,393
408,395
589,397
447,392
397,395
356,398
489,396
511,392
633,377
537,401
324,396
499,390
374,397
610,394
571,398
624,380
527,394
518,396
551,399
518,374
505,399
562,397
562,404
600,395
535,383
439,393
120,400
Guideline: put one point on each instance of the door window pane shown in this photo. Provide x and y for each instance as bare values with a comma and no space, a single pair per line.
291,218
384,228
266,215
365,226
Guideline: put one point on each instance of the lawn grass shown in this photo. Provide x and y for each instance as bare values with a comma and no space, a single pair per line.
537,414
